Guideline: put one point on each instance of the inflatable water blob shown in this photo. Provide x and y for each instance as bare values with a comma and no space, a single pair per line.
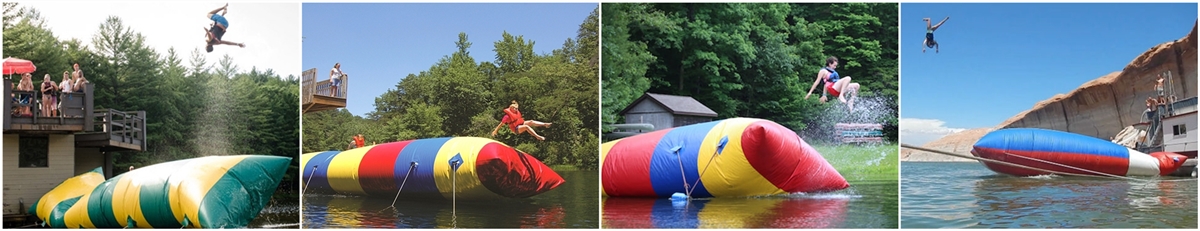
1053,150
53,205
204,192
731,157
462,167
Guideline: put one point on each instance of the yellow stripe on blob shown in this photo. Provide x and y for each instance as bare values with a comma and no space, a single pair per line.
346,164
76,186
200,178
465,182
730,173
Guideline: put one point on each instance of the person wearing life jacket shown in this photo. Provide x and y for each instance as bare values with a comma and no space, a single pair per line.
517,124
835,85
929,29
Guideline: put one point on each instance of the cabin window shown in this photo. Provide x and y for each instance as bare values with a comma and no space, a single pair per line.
1180,129
35,151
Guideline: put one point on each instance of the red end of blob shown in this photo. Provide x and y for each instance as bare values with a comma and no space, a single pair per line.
1168,162
787,161
514,174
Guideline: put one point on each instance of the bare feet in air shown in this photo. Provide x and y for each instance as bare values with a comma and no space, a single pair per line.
540,138
242,45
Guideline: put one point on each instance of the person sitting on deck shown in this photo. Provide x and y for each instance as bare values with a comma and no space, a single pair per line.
517,124
80,81
220,25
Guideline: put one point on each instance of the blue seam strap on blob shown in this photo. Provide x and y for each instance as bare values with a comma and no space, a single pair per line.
455,161
721,145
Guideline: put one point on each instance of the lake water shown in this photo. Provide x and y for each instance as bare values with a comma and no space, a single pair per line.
968,195
575,204
280,214
866,204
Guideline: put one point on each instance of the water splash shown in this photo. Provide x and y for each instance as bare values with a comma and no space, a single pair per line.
212,135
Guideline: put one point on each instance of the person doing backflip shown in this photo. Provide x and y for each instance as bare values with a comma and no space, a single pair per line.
517,124
929,29
835,85
214,34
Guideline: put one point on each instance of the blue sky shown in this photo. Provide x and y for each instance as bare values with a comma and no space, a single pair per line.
998,60
379,44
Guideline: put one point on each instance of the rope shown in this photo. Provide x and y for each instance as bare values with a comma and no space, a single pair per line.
1073,167
682,174
454,198
710,159
406,174
310,175
996,161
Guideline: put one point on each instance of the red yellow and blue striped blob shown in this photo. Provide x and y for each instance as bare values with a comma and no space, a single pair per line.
1056,150
52,207
462,167
204,192
731,157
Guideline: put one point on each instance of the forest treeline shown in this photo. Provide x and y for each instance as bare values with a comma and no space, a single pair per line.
461,96
753,60
194,106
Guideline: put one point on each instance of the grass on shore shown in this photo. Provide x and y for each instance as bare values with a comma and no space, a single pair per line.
863,162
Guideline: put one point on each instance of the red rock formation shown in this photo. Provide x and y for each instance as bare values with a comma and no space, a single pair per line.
1101,107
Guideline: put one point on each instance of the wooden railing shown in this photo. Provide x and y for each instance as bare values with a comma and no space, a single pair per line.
72,108
128,128
311,86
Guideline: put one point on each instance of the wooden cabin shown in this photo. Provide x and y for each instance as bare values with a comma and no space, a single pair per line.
667,111
318,95
40,152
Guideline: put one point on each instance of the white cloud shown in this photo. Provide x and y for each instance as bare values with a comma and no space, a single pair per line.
915,131
271,31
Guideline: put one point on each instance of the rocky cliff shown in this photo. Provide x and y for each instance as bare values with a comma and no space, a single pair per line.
1100,108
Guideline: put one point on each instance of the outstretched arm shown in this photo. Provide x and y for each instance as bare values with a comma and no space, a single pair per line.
820,75
497,128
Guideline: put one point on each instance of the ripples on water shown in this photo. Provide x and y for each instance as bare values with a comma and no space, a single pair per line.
968,195
572,205
278,214
864,205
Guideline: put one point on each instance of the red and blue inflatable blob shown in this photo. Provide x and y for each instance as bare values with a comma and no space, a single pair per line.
463,167
731,157
1048,149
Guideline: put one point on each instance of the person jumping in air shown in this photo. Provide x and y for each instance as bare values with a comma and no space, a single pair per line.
219,26
518,124
929,42
837,86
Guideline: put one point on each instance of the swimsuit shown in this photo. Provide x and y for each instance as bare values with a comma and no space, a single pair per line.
829,81
929,37
218,28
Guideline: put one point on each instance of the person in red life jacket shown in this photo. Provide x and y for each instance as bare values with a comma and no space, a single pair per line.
360,141
518,124
219,26
835,85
